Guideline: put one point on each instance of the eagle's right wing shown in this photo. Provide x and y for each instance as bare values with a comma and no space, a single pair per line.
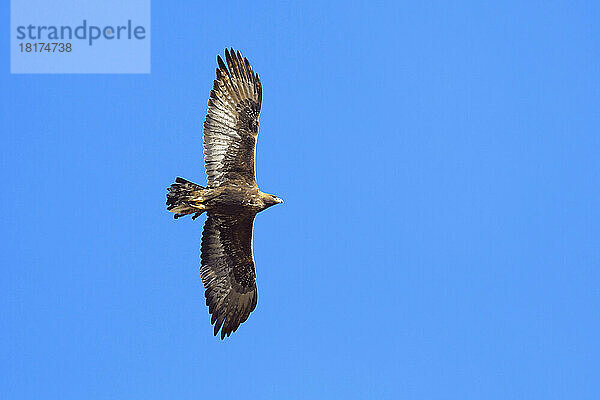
231,124
227,270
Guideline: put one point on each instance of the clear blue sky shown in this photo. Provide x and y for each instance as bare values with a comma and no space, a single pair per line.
440,233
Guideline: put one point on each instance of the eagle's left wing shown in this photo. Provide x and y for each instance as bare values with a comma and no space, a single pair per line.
227,270
231,124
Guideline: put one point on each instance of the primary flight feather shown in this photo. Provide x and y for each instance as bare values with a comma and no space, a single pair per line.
232,198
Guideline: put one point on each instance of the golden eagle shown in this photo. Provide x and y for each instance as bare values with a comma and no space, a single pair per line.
232,198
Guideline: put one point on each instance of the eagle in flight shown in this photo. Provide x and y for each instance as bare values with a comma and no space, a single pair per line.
231,198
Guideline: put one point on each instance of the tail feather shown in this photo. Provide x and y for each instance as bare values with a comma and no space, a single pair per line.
185,198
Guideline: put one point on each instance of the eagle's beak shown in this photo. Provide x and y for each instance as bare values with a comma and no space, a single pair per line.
278,200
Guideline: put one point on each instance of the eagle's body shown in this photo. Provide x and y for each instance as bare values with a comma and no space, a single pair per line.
232,198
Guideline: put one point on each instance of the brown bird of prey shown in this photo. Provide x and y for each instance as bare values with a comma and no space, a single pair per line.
232,198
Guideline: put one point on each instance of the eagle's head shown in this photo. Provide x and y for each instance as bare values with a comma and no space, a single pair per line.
270,199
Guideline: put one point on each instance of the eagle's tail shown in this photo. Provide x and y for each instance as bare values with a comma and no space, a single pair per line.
185,198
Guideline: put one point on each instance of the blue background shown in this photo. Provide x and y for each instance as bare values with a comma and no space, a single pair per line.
440,232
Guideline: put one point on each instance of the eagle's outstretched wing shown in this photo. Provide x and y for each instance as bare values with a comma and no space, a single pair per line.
228,270
231,124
